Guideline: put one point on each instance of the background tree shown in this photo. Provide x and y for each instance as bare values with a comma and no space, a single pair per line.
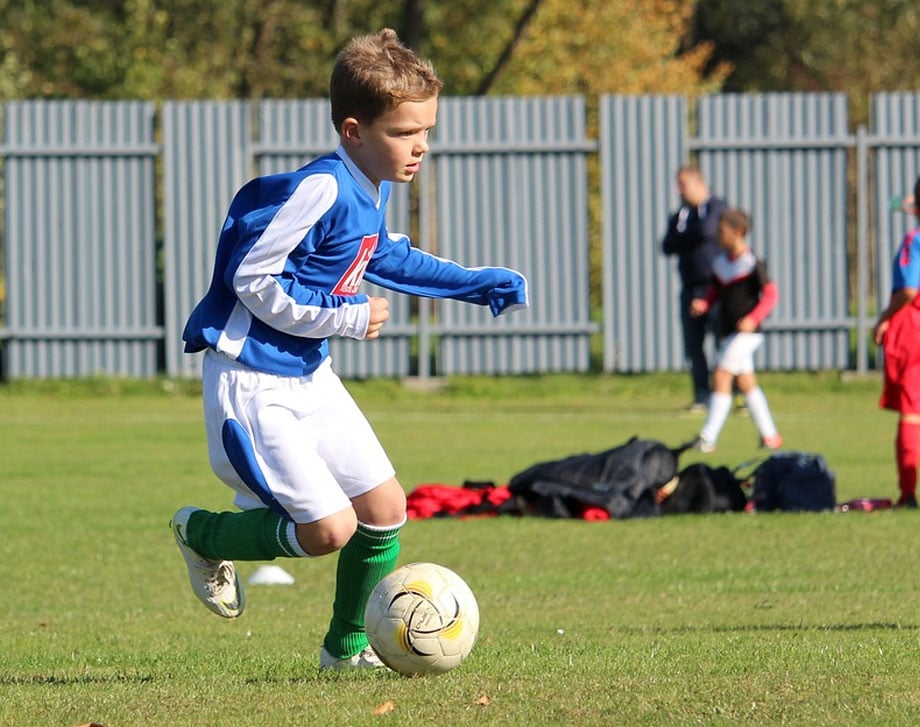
175,48
285,48
596,46
852,46
592,47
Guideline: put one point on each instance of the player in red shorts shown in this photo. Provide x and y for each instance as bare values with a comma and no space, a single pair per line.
898,331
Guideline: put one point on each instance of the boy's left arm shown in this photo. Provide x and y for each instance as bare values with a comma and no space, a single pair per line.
397,265
769,294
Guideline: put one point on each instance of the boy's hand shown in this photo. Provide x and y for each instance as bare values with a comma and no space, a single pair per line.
747,325
698,307
878,333
380,311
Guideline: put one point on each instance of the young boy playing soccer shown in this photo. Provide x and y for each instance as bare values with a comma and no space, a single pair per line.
747,296
309,474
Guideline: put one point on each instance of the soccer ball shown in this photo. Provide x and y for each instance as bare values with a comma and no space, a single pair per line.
422,619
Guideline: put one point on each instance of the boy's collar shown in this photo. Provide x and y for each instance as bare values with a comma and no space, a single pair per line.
732,255
366,184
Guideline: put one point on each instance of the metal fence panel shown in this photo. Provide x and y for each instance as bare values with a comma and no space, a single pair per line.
643,143
505,183
206,158
511,190
80,239
783,158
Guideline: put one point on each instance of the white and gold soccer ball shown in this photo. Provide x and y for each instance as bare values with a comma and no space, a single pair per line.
422,619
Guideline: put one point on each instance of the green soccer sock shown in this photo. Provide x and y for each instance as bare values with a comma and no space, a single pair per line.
249,535
366,558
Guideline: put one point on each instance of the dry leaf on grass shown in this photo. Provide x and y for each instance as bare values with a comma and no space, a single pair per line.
384,708
483,701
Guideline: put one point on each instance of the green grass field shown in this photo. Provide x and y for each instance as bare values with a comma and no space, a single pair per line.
717,619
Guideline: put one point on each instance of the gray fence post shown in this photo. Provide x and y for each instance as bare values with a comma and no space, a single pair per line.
862,248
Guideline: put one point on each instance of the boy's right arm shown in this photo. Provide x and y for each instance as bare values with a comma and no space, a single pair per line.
257,270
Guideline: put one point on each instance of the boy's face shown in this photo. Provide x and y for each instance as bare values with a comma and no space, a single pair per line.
391,148
729,237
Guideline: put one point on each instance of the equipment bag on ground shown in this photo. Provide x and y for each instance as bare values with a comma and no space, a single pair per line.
794,481
623,480
704,489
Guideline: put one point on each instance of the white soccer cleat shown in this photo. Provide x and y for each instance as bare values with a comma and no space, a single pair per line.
701,445
774,442
364,659
215,582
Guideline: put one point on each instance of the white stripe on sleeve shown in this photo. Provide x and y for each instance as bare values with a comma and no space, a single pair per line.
257,288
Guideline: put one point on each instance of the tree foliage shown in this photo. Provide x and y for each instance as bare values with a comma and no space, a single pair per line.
597,46
853,46
285,48
177,48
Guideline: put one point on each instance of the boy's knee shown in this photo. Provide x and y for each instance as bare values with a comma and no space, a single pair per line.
746,383
384,506
327,535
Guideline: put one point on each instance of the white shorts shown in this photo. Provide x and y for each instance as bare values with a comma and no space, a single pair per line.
736,354
299,445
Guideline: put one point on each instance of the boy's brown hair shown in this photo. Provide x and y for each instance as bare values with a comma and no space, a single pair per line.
736,219
374,74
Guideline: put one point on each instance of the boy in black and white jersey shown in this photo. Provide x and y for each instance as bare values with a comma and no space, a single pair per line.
746,297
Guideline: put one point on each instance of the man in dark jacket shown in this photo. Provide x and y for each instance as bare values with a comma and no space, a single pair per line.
693,236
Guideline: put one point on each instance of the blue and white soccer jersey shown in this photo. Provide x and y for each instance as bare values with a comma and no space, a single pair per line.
282,430
291,256
905,268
